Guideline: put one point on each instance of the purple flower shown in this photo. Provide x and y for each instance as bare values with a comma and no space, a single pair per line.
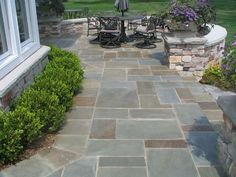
202,3
234,43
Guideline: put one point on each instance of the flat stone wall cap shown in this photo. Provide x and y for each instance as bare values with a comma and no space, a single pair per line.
217,34
50,19
228,105
71,21
181,40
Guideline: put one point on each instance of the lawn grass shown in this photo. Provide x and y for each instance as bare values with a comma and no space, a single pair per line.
226,9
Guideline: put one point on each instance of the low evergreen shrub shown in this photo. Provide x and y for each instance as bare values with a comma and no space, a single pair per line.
40,109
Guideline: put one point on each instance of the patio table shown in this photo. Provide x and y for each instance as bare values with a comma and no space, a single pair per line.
123,36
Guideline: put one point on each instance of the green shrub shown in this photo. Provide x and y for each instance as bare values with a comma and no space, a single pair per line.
40,109
55,86
70,77
28,122
45,106
213,75
10,138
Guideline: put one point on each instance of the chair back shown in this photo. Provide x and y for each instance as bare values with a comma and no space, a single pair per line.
109,23
152,23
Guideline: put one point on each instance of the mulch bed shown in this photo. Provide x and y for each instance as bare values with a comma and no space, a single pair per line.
42,143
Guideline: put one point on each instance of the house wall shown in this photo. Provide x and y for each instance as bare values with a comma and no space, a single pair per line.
21,77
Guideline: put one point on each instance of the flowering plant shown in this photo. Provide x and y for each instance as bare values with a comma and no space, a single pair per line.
229,62
190,13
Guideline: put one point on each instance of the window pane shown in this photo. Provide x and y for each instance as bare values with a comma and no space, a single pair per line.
3,41
22,20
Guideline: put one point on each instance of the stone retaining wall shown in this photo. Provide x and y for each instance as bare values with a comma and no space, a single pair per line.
227,140
189,53
57,27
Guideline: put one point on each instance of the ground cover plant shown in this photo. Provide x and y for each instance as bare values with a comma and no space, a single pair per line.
41,107
225,10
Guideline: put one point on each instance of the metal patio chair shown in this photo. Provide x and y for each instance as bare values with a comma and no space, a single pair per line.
109,32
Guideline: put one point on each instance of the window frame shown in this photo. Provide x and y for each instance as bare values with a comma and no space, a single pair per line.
18,51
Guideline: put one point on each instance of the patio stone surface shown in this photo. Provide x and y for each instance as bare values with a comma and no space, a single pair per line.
111,114
152,114
168,96
122,162
134,117
164,163
141,129
118,98
114,148
122,172
103,129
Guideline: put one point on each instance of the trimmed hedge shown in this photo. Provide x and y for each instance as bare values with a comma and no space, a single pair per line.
40,109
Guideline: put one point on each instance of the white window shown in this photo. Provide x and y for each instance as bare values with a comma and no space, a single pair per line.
19,36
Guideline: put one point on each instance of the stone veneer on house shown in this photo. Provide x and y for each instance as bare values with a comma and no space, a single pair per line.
227,140
190,53
22,76
56,27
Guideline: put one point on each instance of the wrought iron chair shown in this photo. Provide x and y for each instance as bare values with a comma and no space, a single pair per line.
132,24
148,32
93,24
109,32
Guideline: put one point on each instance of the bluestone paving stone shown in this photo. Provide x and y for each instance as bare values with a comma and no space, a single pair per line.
85,167
118,84
111,114
204,97
146,88
122,172
76,127
139,72
160,67
114,75
191,114
56,174
144,78
141,129
165,144
92,76
71,143
168,96
114,148
214,115
118,98
170,163
208,105
184,94
89,92
80,113
56,157
152,114
203,146
129,54
91,84
149,62
122,64
122,162
212,172
33,167
165,73
178,85
84,101
151,101
175,78
103,129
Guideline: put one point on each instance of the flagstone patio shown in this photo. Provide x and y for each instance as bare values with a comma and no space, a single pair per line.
134,118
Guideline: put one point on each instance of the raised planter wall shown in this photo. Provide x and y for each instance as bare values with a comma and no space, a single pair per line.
57,27
192,54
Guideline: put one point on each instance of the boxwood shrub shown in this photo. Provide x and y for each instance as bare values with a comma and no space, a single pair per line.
40,109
